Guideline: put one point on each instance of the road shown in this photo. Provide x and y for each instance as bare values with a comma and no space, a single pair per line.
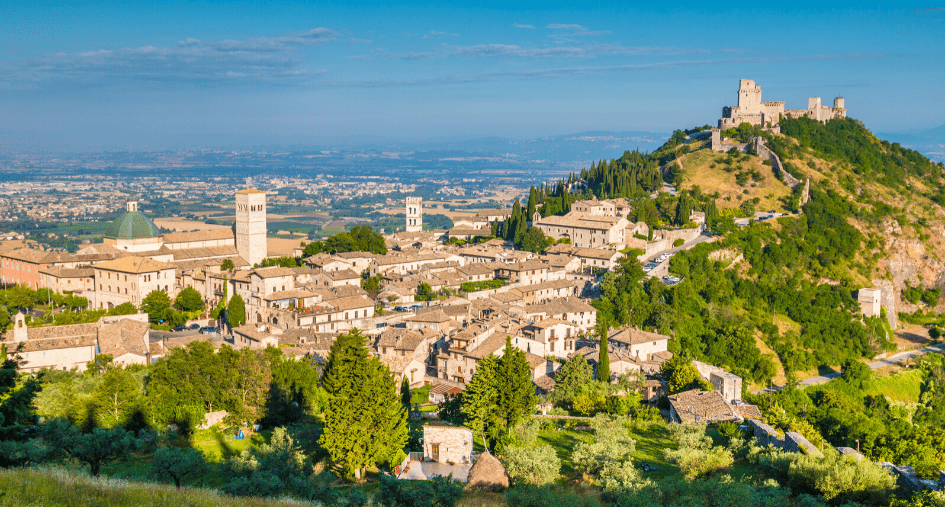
663,268
889,361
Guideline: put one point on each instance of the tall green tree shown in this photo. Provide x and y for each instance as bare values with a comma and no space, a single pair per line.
156,304
365,423
517,397
500,395
603,361
236,311
405,392
116,398
571,378
189,300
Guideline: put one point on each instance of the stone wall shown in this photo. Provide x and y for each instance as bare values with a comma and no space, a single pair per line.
776,165
795,442
764,434
453,444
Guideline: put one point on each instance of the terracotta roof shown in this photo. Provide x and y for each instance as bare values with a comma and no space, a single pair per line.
56,337
134,264
396,364
401,339
702,406
350,303
436,315
273,272
631,336
207,252
126,336
191,237
250,191
59,272
289,294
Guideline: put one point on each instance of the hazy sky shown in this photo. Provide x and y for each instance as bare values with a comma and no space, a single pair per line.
156,74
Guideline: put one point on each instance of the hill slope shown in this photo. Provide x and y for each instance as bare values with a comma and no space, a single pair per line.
777,299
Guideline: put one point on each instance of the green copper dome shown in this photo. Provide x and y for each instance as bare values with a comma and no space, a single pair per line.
132,225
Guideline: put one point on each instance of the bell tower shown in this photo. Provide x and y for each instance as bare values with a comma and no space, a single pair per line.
414,214
251,225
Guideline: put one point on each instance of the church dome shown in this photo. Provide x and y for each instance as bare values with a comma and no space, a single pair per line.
132,225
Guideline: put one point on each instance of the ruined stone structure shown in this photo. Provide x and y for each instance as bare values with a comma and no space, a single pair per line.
869,301
414,214
752,110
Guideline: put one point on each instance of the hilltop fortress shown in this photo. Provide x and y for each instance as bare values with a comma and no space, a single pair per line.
752,110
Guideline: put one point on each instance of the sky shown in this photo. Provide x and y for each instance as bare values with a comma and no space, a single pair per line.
150,75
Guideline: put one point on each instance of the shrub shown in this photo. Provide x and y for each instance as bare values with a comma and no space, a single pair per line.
440,492
534,464
678,242
531,496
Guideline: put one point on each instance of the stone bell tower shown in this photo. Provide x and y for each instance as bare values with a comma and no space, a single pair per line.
414,214
251,225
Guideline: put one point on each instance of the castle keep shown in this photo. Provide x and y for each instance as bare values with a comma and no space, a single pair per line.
752,110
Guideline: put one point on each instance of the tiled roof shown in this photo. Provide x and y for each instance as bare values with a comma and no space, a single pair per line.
124,337
704,406
632,336
134,264
190,237
273,272
68,272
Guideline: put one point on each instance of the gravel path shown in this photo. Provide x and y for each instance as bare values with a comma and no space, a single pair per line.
889,361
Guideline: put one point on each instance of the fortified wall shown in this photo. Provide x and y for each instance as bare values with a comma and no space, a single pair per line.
752,110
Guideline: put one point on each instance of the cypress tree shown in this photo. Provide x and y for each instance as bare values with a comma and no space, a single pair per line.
603,362
405,392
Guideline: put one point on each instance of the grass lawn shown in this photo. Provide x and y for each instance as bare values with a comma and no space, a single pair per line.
904,386
218,444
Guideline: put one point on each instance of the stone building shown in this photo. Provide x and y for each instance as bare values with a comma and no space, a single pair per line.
447,444
870,302
752,110
130,279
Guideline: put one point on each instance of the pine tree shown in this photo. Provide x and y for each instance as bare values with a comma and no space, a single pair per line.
365,423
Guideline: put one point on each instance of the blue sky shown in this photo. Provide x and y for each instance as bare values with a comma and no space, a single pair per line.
158,74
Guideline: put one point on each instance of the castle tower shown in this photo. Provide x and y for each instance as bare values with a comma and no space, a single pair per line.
251,225
749,97
414,214
838,103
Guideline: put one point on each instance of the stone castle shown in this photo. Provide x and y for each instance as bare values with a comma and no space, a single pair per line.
752,110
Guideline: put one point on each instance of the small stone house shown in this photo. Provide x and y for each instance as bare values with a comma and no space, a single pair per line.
447,444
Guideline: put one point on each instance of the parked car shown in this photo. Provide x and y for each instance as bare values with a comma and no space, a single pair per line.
194,327
400,309
209,330
416,307
179,328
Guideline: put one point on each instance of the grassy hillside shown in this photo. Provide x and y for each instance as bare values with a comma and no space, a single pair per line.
57,486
